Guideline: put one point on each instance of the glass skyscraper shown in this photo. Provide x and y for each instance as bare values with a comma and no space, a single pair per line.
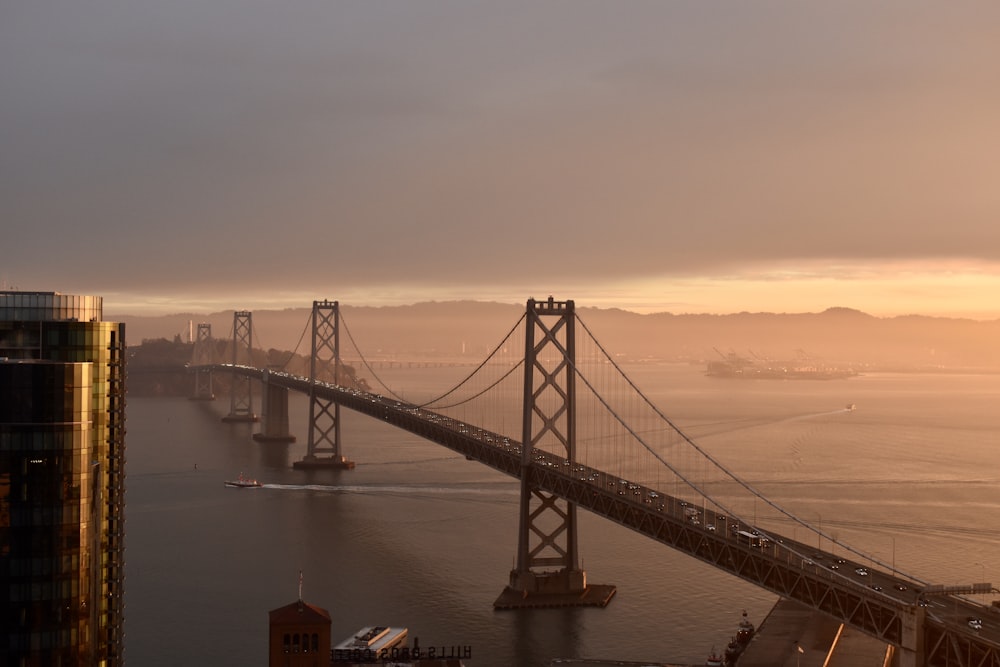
62,481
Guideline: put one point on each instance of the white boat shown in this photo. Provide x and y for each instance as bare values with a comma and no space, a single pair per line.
242,482
379,643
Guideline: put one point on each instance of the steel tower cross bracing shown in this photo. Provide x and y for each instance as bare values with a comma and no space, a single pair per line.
323,448
202,358
547,558
241,391
555,420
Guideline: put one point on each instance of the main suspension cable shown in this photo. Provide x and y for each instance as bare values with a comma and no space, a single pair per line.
347,330
705,454
381,383
291,355
478,368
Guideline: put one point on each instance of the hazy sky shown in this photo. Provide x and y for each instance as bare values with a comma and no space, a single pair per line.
687,156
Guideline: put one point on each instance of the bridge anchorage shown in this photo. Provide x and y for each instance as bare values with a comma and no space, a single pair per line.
547,572
323,449
241,392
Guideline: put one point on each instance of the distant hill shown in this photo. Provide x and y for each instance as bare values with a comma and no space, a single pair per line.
470,329
159,367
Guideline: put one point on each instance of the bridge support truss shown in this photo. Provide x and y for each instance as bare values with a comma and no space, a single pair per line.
241,391
547,572
323,449
274,413
201,358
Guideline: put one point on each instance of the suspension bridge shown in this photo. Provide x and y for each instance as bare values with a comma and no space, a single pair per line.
550,407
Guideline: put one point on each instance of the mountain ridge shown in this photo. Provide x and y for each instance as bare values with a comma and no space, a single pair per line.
435,329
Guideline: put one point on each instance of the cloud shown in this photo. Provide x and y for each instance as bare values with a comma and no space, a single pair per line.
464,147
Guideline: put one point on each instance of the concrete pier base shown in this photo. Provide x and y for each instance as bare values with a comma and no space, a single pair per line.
323,463
564,588
241,419
274,424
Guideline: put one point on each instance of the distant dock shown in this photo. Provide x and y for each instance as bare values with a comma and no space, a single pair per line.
788,627
793,634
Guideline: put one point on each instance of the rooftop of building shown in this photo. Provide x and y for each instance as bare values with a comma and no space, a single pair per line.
298,612
49,306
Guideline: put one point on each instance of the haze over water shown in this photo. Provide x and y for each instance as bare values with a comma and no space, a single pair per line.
417,536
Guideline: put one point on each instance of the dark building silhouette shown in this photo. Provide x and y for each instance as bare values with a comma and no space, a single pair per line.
299,636
62,481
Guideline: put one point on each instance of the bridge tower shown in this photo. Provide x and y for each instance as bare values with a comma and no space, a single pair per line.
201,358
547,572
241,392
323,449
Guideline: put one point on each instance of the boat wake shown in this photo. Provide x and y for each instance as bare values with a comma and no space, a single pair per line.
436,459
812,415
709,430
400,490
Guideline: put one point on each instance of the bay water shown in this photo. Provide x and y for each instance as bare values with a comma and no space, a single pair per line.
417,536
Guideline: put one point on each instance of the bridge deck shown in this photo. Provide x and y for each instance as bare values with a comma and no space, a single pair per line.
881,604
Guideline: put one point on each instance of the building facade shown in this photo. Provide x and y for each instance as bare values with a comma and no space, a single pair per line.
298,636
62,481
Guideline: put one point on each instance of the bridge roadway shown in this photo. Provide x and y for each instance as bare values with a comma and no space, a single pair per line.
878,603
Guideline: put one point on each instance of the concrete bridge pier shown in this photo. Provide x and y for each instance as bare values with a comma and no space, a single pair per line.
559,588
274,417
910,652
